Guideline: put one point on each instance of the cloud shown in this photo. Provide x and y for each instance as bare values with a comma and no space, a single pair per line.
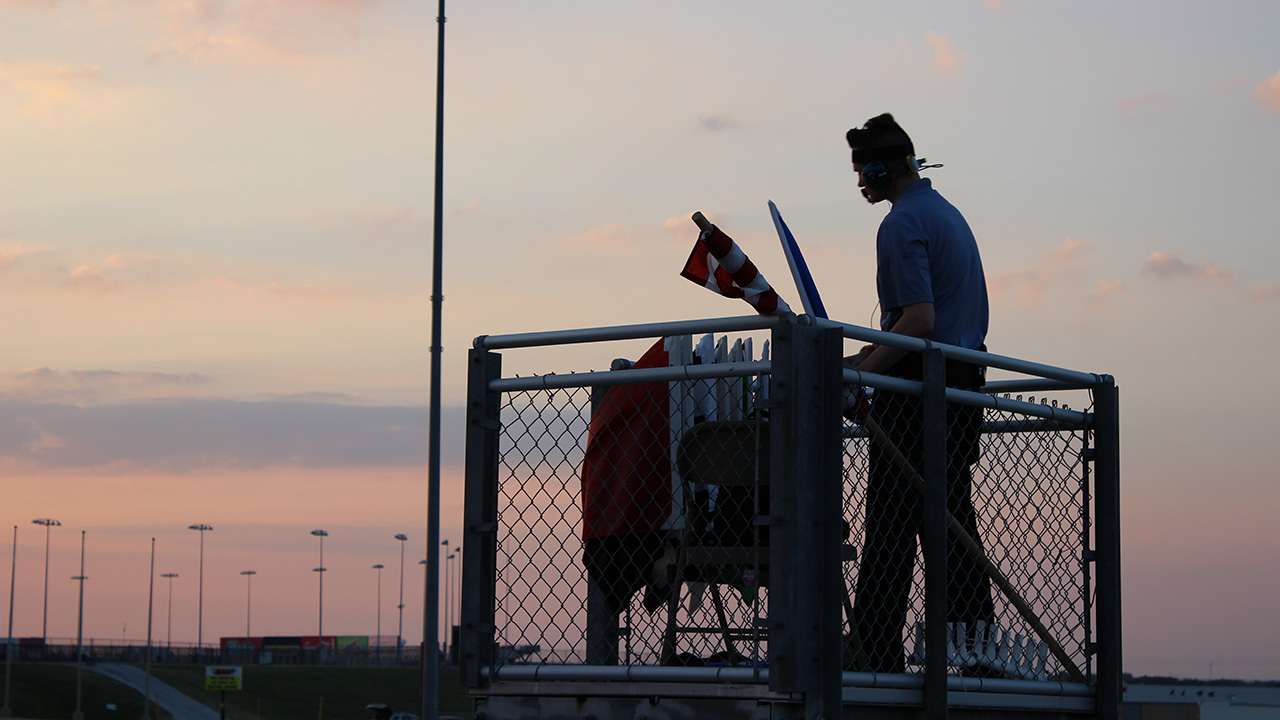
946,58
1108,290
253,32
11,255
185,435
1150,100
994,4
718,123
49,89
1260,293
1226,87
29,4
1168,266
611,238
1268,93
1028,285
81,387
308,291
90,279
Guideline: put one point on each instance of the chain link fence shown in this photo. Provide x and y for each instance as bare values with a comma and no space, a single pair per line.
633,540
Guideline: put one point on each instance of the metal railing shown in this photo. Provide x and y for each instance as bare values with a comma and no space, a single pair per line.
712,509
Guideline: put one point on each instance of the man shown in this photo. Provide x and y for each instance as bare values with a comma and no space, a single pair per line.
930,284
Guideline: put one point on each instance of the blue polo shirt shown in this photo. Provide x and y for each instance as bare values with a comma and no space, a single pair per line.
925,252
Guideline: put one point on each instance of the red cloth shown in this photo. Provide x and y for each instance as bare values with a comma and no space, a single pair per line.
626,474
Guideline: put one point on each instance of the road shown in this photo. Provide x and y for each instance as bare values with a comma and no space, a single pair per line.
173,702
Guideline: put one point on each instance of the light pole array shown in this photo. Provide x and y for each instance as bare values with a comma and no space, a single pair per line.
168,633
47,523
400,628
202,529
248,599
320,627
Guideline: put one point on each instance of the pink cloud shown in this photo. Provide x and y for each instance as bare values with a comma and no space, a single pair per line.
946,58
1226,87
80,387
255,32
613,237
1259,293
90,279
308,291
11,255
1151,99
1108,290
49,88
1166,266
1268,93
1029,285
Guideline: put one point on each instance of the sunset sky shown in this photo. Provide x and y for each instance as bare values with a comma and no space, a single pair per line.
215,231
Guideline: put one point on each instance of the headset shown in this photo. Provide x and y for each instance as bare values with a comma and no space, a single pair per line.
876,175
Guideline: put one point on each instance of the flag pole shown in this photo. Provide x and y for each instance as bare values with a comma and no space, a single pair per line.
430,625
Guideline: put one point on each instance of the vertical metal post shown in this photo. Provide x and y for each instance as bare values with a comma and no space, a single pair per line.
480,517
1106,400
431,603
933,535
602,622
151,602
6,711
79,714
806,503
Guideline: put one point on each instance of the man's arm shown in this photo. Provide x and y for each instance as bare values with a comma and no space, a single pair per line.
916,321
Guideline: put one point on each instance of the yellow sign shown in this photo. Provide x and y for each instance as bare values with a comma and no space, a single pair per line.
222,678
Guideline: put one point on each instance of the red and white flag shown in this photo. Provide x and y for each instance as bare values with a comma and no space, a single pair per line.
718,264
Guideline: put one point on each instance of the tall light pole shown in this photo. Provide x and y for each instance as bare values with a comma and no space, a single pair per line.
378,643
168,633
6,711
320,627
78,715
400,628
430,610
44,627
151,600
248,599
202,529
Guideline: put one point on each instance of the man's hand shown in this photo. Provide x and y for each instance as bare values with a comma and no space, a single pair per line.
853,361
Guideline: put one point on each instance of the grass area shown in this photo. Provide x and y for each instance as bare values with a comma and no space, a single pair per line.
300,693
45,691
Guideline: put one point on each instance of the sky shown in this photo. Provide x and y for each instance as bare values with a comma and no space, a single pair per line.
215,262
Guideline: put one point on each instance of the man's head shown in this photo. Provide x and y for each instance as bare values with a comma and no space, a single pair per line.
883,157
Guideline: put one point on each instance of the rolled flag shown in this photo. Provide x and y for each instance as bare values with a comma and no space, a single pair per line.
799,269
718,264
856,401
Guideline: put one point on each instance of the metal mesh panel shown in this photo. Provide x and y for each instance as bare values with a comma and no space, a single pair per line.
585,570
660,560
1028,492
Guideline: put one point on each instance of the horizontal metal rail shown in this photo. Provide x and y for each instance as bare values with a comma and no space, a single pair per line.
631,377
970,397
629,332
1073,378
745,675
